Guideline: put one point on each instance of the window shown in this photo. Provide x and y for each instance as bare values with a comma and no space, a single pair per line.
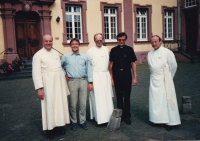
189,3
111,21
73,22
168,25
141,23
110,24
143,29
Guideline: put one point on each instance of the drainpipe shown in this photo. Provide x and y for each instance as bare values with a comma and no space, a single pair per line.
179,27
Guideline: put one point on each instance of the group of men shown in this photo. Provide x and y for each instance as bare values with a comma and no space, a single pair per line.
58,82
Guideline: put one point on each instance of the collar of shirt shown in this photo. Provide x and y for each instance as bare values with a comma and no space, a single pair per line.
72,53
121,46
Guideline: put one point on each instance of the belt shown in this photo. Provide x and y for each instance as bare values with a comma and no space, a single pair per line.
82,78
123,69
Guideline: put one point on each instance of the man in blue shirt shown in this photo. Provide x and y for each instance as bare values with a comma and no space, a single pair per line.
76,67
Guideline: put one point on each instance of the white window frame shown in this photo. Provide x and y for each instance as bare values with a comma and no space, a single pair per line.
168,16
73,14
189,3
141,16
110,32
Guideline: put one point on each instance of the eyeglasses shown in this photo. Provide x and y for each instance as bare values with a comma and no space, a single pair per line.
121,40
97,41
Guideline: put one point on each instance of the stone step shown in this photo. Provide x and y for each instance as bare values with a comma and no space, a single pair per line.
28,63
26,72
12,77
22,73
27,69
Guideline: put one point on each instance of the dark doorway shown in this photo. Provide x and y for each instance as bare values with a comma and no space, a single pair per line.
27,33
191,20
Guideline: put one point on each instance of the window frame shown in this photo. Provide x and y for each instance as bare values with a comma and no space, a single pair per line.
83,6
149,23
166,20
140,23
109,15
118,7
191,5
175,23
73,26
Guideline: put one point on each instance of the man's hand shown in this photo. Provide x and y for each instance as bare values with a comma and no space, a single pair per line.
67,78
135,81
40,94
90,87
112,82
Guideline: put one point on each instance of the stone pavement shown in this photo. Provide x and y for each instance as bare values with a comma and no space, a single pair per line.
20,113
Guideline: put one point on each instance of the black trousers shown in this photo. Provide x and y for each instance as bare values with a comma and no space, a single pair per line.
123,85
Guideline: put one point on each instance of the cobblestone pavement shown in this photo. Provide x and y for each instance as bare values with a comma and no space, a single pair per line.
20,113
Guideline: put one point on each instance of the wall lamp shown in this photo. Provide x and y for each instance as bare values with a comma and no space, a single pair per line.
58,19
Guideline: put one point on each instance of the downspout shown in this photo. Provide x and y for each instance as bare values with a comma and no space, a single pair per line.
179,27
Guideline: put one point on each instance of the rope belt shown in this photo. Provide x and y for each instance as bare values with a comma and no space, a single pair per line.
168,88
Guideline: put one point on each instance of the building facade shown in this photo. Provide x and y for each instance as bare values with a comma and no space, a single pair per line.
24,22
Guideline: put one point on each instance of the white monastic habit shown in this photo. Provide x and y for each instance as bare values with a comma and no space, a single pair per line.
48,74
163,106
101,103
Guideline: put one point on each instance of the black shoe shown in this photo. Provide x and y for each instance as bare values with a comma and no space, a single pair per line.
50,134
60,130
168,127
84,126
127,121
73,126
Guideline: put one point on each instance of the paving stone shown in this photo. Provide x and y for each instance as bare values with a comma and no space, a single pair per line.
186,99
187,108
20,112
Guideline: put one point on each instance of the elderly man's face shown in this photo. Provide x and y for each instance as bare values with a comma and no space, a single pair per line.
155,42
98,40
47,42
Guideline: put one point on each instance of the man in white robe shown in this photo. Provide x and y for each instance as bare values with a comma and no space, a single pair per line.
163,108
100,98
50,84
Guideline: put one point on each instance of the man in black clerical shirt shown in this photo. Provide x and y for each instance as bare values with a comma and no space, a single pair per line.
122,60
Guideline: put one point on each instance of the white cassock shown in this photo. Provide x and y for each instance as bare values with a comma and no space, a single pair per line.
48,74
163,106
101,102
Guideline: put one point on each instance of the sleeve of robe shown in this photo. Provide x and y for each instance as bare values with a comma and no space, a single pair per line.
172,62
36,72
63,64
89,67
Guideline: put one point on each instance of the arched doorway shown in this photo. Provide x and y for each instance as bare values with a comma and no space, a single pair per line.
27,29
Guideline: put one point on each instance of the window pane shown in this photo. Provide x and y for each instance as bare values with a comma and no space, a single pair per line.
105,10
76,9
168,25
68,9
189,3
141,23
110,23
73,22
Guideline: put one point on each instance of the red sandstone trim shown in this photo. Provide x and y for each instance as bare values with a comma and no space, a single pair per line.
175,22
119,10
83,5
149,19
